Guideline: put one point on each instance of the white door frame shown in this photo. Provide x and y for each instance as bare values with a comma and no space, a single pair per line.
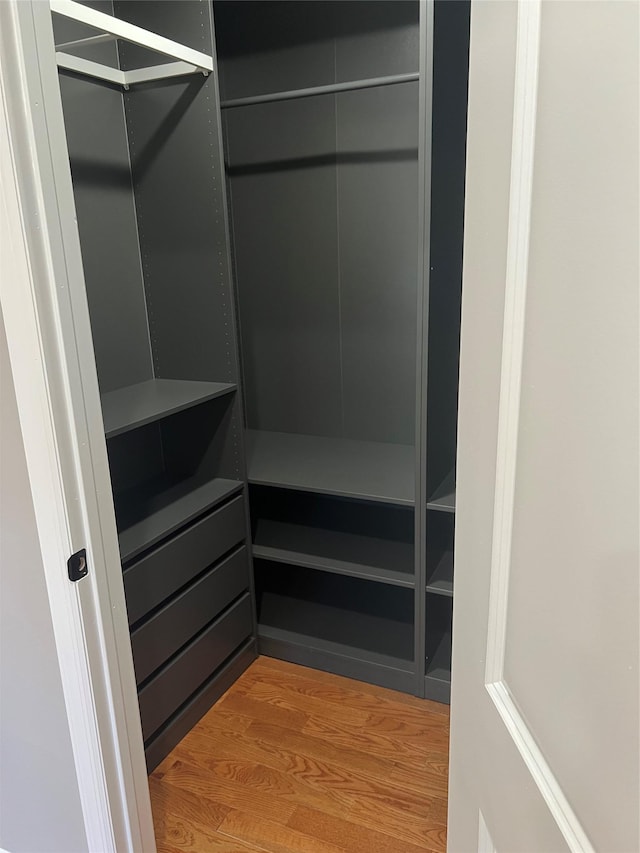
47,326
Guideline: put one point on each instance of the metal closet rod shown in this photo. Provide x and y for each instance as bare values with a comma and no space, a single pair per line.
331,88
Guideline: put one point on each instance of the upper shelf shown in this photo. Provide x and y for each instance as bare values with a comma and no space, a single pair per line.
444,497
136,405
189,61
343,467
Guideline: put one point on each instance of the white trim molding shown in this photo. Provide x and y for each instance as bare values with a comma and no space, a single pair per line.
519,226
543,776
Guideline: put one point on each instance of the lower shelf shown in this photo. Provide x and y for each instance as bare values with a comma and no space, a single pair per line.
439,662
439,613
437,681
437,689
344,624
153,511
352,663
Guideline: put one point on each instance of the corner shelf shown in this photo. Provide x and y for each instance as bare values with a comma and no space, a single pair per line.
351,554
364,470
444,497
150,513
136,405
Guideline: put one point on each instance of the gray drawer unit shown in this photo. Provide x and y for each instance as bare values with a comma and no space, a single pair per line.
176,623
174,684
151,580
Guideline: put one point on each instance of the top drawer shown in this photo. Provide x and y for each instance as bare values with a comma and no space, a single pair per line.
151,580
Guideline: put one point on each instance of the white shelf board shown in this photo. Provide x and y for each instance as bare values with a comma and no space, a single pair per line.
187,60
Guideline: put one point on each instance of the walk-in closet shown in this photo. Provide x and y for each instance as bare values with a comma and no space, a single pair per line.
269,199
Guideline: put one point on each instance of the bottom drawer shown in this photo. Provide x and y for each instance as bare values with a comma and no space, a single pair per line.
179,679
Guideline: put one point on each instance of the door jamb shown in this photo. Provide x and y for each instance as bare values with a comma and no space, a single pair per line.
47,327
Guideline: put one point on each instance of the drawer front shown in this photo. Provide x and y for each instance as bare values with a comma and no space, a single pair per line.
154,578
183,676
176,623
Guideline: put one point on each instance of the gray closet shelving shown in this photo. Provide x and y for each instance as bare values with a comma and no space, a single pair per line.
350,404
274,297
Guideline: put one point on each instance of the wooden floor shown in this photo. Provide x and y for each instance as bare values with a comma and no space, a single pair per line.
292,760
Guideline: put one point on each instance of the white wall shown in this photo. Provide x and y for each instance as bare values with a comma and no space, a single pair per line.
39,801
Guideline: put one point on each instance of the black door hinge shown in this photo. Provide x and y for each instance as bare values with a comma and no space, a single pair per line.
77,565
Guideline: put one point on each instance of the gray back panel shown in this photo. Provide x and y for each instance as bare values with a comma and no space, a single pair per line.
282,167
377,221
98,152
324,206
375,38
175,143
377,142
273,46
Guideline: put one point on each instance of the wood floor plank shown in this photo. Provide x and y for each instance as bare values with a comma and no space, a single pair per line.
285,696
275,837
262,679
231,719
243,704
381,744
167,799
429,778
291,760
322,787
225,790
175,835
351,687
308,761
355,837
